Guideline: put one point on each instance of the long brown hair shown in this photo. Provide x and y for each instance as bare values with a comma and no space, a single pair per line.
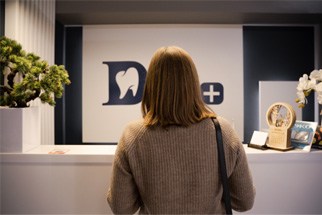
172,93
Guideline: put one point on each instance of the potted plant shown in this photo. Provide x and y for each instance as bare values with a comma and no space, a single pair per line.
25,78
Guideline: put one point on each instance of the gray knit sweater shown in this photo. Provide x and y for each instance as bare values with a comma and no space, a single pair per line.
175,171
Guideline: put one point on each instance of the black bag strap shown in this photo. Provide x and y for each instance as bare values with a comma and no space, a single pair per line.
222,165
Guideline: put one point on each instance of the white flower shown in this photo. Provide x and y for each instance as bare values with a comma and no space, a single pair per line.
318,88
316,75
308,84
319,98
305,84
301,97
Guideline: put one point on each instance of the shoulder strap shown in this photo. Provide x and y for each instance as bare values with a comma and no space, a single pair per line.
222,165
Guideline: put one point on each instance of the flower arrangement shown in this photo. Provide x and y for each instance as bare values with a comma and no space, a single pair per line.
307,84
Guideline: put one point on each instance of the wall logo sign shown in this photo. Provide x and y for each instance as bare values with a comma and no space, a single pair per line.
213,93
126,82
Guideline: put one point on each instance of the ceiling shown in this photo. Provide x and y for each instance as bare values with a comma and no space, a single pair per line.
81,12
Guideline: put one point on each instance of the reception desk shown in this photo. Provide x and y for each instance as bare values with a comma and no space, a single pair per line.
76,182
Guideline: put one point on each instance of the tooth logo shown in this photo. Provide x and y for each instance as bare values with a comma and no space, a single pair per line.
126,81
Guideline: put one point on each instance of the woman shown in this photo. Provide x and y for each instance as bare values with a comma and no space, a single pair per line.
166,163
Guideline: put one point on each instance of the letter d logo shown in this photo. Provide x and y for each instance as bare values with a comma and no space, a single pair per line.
126,81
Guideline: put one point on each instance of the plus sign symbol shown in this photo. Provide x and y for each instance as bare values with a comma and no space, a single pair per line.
212,92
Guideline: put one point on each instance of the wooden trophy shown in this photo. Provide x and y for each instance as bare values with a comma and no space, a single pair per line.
280,118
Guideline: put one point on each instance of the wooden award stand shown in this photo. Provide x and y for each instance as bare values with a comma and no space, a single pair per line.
280,118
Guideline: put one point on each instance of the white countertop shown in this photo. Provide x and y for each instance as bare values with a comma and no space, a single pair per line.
63,154
83,172
75,149
105,153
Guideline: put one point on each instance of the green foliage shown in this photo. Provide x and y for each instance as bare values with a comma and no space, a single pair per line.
27,77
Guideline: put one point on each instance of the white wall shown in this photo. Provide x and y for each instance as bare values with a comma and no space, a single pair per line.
32,24
216,51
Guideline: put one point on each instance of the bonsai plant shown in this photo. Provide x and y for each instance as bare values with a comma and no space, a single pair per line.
27,77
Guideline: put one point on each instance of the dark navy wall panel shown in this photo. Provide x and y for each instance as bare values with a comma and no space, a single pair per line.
68,113
2,6
59,107
73,106
274,53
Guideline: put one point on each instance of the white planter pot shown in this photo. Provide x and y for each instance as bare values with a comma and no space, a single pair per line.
19,129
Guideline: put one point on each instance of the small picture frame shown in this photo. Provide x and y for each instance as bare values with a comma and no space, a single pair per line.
317,140
302,135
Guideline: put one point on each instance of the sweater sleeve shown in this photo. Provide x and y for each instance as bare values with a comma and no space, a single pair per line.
122,196
242,191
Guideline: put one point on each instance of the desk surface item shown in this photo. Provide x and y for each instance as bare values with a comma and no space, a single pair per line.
317,140
256,146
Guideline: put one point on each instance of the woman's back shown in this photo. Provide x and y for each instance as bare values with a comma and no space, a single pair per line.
167,162
175,170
